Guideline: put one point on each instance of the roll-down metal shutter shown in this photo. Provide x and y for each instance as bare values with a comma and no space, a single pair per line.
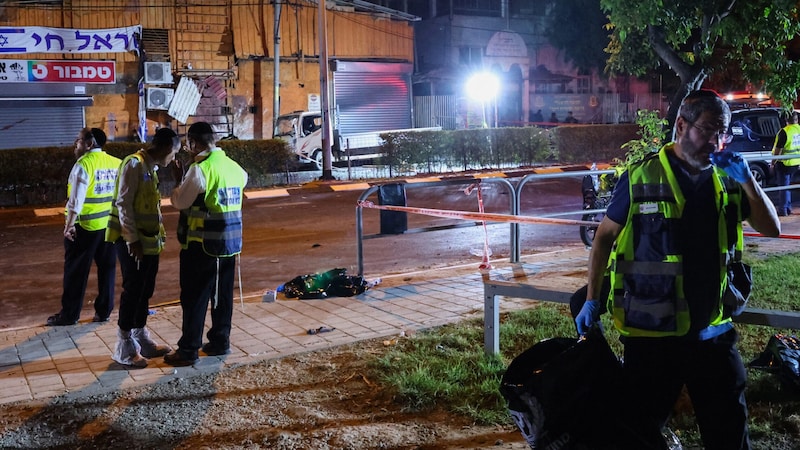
41,122
372,96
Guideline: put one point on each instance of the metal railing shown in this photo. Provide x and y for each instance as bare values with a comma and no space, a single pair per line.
513,239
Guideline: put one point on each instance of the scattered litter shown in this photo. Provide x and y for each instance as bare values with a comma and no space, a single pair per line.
320,330
150,312
368,383
389,342
269,296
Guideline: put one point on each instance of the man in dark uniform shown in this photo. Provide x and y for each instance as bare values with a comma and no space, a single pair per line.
671,229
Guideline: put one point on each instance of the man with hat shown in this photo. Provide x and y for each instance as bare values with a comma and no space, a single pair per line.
90,189
209,196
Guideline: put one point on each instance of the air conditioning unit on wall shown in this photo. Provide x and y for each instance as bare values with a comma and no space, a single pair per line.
159,98
157,73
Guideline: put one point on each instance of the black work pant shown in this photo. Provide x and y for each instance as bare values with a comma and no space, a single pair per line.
138,285
205,279
88,246
656,370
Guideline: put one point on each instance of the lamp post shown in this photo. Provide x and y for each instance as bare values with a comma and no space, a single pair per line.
484,87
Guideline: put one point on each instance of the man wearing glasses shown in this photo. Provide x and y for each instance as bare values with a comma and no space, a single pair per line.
673,224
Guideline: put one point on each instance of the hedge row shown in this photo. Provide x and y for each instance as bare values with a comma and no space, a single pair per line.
38,176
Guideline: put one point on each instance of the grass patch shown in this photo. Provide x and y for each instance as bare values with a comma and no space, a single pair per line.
446,367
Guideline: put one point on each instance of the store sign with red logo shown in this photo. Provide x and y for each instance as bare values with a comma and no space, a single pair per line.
61,71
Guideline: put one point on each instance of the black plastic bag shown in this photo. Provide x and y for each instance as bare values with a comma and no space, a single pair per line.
347,286
781,357
738,290
560,393
332,283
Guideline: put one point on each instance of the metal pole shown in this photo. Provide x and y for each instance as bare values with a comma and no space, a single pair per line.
276,77
327,171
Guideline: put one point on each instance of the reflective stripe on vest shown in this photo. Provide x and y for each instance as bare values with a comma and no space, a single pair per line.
215,218
102,169
146,209
647,297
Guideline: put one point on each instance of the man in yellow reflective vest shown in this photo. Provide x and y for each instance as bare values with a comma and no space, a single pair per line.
787,142
672,227
89,192
136,228
210,232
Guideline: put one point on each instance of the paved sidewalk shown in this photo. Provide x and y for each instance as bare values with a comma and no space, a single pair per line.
39,363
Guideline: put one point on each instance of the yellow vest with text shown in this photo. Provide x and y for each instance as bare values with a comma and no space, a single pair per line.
792,146
647,285
102,169
146,210
215,217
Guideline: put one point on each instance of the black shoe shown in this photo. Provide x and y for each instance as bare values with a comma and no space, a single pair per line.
57,321
177,359
97,318
213,350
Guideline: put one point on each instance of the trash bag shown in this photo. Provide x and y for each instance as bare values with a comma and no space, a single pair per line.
347,286
560,393
781,357
331,283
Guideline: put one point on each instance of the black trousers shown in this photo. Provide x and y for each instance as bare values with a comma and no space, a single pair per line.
205,279
138,285
656,369
88,246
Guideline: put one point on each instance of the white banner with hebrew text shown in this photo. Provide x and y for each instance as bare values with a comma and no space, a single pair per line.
69,40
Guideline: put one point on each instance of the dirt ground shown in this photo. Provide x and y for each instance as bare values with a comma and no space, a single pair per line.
319,400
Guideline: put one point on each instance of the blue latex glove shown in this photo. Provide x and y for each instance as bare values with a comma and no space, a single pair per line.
733,164
588,316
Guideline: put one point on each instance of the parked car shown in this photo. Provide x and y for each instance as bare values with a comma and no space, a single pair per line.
754,132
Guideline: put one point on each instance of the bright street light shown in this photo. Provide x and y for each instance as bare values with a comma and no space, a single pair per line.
484,87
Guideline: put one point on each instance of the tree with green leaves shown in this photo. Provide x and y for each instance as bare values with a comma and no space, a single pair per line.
578,28
694,38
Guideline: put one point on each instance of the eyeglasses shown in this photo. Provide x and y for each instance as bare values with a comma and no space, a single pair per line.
722,136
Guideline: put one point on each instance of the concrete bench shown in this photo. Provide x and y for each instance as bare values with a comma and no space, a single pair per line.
521,287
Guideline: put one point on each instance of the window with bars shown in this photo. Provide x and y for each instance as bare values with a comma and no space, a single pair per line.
584,82
470,56
155,44
490,8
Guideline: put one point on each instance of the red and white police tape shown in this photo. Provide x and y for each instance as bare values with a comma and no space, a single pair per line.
508,218
467,215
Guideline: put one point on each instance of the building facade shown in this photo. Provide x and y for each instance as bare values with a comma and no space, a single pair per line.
173,62
457,38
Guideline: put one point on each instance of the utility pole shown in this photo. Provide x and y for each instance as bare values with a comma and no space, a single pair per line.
276,77
327,171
